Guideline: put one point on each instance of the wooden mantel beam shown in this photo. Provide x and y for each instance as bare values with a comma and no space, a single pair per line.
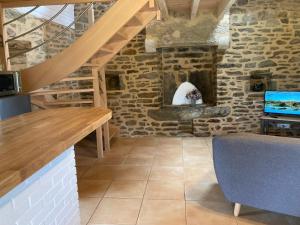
195,8
162,5
222,7
24,3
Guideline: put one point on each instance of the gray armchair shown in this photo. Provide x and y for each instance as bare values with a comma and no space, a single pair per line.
259,171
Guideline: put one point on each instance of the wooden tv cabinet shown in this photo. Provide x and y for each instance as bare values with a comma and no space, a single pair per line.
265,121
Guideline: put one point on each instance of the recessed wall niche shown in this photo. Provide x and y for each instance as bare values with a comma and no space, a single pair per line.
114,82
261,81
196,65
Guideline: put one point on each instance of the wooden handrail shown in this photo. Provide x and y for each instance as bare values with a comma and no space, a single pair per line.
72,58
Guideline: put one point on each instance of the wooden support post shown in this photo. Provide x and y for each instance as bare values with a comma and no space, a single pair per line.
100,148
4,51
97,98
106,137
97,103
104,99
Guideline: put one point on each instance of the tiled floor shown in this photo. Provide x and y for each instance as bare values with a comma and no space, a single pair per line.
158,181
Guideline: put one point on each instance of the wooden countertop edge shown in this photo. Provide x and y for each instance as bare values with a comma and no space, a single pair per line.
11,178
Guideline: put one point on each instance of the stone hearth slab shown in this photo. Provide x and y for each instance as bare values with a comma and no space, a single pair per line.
183,113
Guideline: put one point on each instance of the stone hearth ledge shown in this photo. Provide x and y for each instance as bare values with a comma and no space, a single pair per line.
183,113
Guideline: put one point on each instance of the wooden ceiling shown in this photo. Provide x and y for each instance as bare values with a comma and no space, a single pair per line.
192,8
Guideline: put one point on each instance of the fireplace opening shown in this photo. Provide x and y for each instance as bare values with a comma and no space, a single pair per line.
187,69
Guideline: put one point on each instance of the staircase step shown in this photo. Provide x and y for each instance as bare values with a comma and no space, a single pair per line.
65,91
134,22
90,65
76,79
115,46
72,102
118,37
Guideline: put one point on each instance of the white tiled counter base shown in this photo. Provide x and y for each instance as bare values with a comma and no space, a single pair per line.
49,197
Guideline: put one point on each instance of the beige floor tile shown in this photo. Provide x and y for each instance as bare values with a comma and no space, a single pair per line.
100,172
146,141
112,159
128,166
144,150
119,151
252,216
133,173
165,190
167,173
194,142
203,161
194,152
93,188
209,213
85,161
200,174
171,161
117,211
139,160
170,142
162,212
126,189
203,192
81,170
169,151
87,208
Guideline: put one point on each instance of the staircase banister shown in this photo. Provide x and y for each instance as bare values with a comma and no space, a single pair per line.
78,53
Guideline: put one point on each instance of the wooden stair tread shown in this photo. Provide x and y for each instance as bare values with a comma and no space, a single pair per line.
90,65
62,91
134,22
76,79
70,102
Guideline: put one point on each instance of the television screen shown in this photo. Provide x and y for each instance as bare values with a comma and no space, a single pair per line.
282,102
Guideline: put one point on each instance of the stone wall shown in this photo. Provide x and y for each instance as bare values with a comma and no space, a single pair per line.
265,37
40,35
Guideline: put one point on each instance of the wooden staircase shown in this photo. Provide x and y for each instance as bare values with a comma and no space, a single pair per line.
98,45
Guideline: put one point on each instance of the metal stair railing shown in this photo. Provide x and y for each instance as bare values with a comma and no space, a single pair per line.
21,16
58,35
39,26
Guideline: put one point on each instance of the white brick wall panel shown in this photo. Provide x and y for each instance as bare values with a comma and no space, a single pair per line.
52,199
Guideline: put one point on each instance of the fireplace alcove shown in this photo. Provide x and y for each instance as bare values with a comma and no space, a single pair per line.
197,65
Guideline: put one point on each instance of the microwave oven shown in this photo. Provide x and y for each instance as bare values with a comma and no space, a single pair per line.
10,83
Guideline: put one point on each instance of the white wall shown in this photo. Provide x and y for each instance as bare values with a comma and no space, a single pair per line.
49,197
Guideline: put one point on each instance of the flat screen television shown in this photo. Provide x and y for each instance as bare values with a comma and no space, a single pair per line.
282,103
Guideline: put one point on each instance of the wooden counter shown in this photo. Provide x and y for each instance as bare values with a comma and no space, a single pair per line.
30,141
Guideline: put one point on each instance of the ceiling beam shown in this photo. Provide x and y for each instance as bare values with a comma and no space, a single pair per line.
25,3
195,8
222,7
162,5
